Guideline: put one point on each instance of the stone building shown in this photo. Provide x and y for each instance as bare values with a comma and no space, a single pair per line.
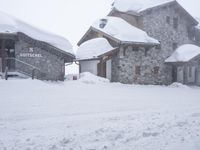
166,21
29,52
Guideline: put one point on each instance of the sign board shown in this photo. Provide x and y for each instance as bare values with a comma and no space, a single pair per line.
30,54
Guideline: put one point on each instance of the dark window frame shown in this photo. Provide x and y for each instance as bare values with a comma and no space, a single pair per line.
156,70
174,46
175,23
168,19
138,70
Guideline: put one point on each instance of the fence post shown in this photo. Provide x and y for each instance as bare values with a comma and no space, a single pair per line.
33,73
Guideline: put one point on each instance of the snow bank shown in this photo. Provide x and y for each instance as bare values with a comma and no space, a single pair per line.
123,31
184,53
178,85
93,48
9,24
137,5
36,115
89,78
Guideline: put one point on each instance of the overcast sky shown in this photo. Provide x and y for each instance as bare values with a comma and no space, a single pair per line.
69,18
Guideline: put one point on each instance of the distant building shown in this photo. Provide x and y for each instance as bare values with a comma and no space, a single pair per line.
30,52
144,62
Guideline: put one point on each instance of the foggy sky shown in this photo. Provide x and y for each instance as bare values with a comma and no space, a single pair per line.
69,18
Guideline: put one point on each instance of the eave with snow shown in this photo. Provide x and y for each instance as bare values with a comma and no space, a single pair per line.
184,54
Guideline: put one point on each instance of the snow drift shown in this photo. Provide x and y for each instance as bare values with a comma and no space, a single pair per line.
89,78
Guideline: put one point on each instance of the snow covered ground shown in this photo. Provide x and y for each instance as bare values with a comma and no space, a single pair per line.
74,115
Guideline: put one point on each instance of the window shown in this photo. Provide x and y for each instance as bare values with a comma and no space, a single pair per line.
168,19
175,23
137,70
156,70
191,33
190,72
174,46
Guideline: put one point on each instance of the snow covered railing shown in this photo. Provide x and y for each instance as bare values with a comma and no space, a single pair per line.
26,69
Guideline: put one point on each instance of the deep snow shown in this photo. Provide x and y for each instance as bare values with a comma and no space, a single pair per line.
73,115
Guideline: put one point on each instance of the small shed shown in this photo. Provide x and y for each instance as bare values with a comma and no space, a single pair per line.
31,52
186,64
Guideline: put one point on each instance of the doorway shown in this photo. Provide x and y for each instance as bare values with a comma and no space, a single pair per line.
7,55
101,69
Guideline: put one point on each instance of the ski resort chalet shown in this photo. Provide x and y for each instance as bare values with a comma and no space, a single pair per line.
29,52
143,42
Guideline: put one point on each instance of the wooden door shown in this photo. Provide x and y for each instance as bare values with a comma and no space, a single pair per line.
180,74
101,67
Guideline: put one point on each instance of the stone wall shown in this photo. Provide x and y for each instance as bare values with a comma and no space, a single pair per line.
51,66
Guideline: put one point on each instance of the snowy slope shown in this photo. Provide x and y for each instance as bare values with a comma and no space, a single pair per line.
137,5
93,48
123,31
184,53
78,116
9,24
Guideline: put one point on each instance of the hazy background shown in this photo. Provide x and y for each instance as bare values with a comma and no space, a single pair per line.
69,18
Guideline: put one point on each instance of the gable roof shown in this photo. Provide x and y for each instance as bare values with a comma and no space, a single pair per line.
184,53
11,25
93,48
137,7
121,31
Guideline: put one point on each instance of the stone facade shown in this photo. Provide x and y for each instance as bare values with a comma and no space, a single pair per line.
150,62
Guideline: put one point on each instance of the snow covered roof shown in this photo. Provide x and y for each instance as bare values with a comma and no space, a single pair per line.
184,53
93,48
9,24
123,31
137,5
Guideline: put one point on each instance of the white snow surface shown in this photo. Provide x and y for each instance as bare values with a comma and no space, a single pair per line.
93,48
73,115
87,77
184,53
137,5
123,31
9,24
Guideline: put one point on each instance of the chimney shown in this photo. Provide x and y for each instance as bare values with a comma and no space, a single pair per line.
103,23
